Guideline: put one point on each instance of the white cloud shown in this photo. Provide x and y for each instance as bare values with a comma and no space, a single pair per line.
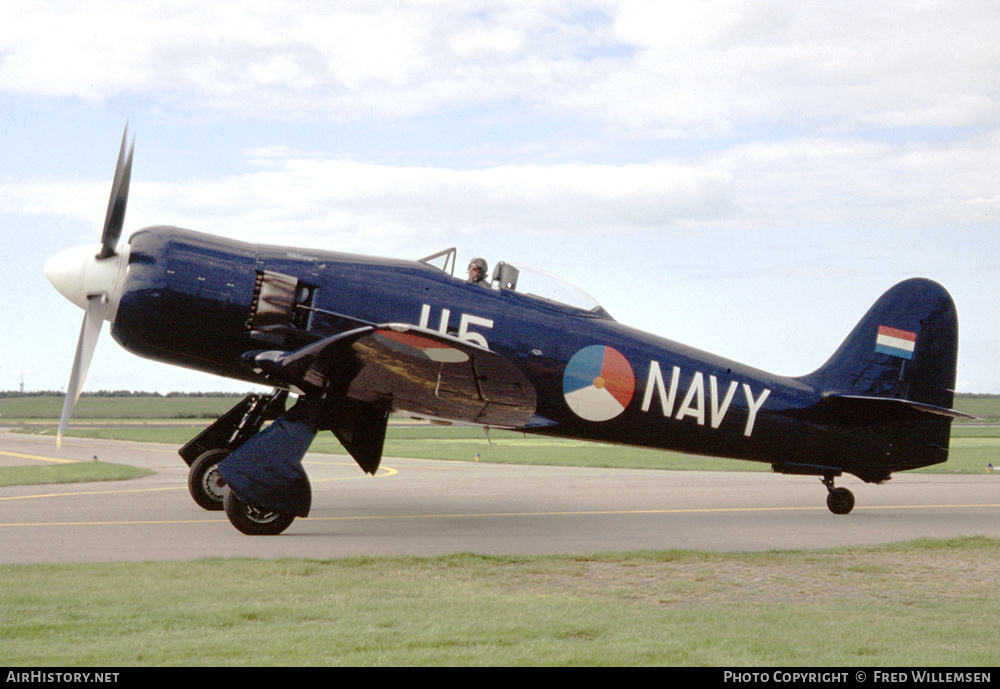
808,182
656,70
711,68
314,200
795,183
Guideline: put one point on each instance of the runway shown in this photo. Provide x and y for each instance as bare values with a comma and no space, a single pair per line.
425,507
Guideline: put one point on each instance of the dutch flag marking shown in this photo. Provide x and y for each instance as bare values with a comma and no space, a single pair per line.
895,342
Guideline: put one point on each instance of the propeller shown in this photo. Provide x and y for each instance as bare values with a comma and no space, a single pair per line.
91,280
116,204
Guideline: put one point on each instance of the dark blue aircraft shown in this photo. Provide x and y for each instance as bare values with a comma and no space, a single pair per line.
358,338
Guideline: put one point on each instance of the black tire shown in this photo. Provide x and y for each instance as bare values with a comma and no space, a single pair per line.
840,501
204,482
252,521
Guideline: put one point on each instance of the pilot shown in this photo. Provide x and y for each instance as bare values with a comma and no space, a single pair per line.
477,272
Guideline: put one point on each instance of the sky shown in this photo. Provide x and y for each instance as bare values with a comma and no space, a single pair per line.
743,177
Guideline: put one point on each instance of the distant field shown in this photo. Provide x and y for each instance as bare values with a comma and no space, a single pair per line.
972,447
134,407
985,408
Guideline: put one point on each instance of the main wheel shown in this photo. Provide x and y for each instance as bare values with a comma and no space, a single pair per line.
253,521
204,481
840,500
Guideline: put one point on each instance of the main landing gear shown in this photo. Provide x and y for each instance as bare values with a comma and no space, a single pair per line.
204,453
839,500
210,491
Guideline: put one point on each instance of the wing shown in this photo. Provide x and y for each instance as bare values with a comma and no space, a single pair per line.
404,368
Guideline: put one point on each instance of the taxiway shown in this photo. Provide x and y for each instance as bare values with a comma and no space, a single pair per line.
424,508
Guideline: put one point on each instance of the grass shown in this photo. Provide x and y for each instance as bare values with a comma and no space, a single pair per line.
972,447
926,603
971,450
72,472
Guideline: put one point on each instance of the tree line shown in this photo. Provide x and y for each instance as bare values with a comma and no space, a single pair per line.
120,393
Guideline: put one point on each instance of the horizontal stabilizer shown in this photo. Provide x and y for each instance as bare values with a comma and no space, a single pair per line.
882,407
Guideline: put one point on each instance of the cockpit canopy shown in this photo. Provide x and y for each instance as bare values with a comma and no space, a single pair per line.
528,281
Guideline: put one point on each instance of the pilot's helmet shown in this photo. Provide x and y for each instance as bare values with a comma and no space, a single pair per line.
483,269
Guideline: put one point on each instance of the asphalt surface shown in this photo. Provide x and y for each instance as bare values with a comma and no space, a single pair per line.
424,507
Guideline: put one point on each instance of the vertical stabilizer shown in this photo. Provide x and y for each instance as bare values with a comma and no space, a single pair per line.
905,348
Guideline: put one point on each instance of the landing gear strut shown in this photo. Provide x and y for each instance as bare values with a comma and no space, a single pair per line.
839,500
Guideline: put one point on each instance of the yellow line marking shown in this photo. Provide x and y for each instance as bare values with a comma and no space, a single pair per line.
584,513
387,472
126,523
90,492
490,515
39,458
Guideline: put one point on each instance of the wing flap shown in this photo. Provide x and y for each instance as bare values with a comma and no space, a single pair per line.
427,373
409,369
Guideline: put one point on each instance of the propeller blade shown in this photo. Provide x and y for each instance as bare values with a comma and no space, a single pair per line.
89,332
115,217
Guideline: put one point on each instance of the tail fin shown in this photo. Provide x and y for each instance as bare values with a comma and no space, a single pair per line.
895,376
905,348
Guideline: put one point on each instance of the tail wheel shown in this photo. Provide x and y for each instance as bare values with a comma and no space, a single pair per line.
254,521
206,485
840,500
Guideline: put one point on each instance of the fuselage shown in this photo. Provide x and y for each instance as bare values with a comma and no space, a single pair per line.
203,302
